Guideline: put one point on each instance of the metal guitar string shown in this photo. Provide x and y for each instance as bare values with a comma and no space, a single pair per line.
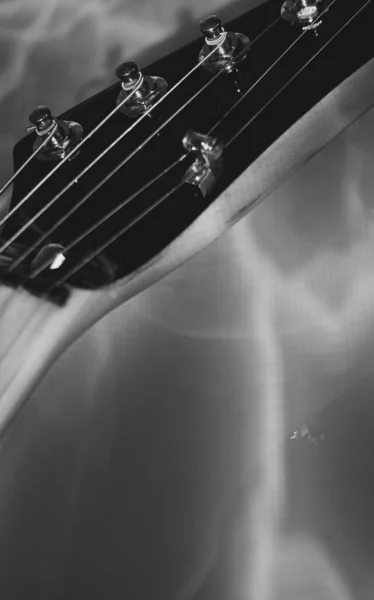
110,214
9,298
35,153
120,206
62,281
267,71
68,157
76,179
293,77
113,238
51,202
92,164
125,202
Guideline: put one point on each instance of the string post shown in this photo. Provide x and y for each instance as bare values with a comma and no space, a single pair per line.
65,135
146,90
303,13
51,255
223,46
206,169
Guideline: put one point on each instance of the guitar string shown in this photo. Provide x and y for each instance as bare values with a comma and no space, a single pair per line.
229,111
125,202
235,134
69,156
116,209
51,202
234,137
113,238
110,214
99,250
119,207
30,158
24,279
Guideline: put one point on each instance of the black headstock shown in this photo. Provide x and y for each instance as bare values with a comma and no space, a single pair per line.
276,79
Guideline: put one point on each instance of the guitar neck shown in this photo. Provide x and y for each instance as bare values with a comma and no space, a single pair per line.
286,72
33,333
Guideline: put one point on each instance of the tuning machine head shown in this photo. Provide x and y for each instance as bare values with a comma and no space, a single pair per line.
304,13
226,48
146,90
206,169
65,135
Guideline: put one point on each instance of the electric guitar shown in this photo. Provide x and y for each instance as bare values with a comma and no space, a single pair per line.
125,187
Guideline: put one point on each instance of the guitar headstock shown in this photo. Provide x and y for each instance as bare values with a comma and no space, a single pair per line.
124,173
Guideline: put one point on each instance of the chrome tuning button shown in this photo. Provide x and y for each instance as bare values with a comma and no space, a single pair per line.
207,167
304,13
231,47
66,135
148,89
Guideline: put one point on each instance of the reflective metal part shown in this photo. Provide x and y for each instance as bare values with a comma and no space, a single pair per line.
310,431
303,12
206,169
51,253
233,44
150,89
67,134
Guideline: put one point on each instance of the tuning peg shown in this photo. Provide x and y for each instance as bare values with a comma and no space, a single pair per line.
206,169
212,28
303,12
233,47
65,134
150,89
129,74
41,118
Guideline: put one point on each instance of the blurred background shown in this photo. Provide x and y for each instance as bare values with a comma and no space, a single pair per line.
148,463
